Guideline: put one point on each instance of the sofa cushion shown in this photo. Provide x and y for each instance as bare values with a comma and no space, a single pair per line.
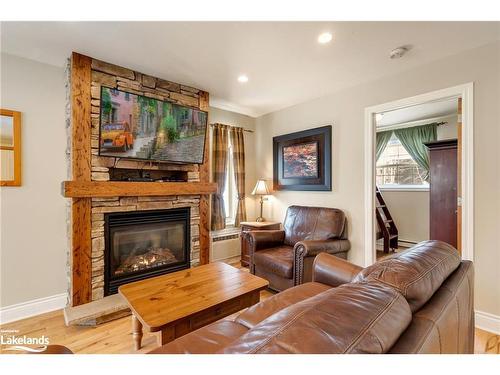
417,272
206,340
278,260
257,313
352,318
312,223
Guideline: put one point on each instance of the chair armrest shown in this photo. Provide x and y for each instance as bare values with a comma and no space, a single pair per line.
311,248
333,271
264,239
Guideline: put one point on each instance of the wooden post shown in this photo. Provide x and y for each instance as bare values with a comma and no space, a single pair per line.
81,266
204,199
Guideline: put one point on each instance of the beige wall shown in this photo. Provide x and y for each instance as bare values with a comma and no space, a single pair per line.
345,111
410,211
246,122
448,130
33,216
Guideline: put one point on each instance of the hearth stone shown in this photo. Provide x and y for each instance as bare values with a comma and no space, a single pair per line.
97,312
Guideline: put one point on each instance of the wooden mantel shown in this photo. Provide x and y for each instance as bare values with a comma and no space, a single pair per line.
103,189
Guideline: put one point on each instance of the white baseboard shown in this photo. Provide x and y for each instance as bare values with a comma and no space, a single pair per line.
401,243
488,322
31,308
406,243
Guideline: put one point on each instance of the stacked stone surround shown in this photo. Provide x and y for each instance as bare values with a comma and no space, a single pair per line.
113,76
100,206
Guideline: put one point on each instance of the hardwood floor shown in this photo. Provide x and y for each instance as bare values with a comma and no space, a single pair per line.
116,338
486,342
381,255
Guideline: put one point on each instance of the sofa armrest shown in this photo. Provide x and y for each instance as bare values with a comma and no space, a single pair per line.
264,239
333,271
304,253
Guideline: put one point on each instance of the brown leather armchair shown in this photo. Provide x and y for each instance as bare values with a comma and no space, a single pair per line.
285,257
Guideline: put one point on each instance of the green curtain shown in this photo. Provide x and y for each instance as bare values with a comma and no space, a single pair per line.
413,140
382,139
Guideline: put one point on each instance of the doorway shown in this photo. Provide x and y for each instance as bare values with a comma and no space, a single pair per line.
390,118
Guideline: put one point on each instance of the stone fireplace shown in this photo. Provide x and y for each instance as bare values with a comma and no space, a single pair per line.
107,195
142,244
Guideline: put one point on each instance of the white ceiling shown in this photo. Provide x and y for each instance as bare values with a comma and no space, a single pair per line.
283,60
423,111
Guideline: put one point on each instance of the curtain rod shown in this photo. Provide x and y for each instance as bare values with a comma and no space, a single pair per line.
245,130
423,121
407,125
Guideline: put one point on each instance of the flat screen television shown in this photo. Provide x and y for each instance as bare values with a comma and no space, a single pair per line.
138,127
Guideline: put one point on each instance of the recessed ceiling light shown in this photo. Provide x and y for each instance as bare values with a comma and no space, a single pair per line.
324,38
243,78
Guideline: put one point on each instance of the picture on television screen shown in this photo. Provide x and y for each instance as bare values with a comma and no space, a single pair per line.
138,127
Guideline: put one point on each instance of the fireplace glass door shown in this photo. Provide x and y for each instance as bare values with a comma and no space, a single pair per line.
141,247
143,244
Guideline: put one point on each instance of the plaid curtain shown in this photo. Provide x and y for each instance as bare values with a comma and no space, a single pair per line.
219,171
238,144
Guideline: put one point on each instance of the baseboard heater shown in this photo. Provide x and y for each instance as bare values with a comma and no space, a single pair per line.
225,246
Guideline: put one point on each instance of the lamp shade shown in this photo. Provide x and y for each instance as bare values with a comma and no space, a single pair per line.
261,188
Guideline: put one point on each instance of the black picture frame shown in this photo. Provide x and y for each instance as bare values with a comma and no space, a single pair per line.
319,177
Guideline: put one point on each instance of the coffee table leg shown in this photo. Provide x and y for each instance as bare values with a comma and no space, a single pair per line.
136,332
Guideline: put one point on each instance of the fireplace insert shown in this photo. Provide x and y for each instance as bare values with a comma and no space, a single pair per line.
143,244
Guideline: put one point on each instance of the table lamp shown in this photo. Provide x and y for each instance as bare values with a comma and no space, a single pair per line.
261,189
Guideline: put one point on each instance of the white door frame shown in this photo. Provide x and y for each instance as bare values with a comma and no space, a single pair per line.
466,92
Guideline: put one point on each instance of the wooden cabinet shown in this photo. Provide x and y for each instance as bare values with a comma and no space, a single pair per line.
248,226
443,190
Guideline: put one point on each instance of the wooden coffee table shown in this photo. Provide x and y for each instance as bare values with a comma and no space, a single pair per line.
183,301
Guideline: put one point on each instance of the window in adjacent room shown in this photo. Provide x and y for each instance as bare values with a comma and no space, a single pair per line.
396,168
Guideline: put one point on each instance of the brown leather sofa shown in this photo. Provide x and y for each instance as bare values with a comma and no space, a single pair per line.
285,257
418,301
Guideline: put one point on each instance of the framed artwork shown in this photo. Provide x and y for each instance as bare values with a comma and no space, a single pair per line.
10,148
303,160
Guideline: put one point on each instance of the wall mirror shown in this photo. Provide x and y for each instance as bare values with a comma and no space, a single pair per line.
10,148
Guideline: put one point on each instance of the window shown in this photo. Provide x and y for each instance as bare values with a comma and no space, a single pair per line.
230,195
396,169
